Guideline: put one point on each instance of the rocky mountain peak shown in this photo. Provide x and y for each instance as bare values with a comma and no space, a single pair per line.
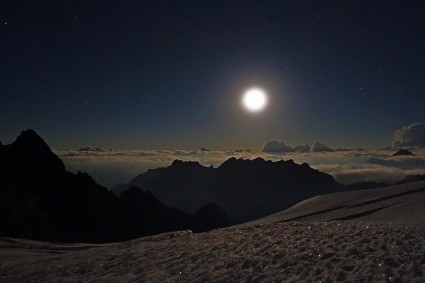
182,164
29,154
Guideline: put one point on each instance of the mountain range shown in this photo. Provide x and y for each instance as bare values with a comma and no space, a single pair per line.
40,200
246,189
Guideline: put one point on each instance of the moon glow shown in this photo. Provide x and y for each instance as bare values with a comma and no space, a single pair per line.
254,100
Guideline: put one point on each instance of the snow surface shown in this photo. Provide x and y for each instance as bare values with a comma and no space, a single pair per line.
404,204
300,244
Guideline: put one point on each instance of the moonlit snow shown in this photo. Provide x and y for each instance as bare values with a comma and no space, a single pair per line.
302,244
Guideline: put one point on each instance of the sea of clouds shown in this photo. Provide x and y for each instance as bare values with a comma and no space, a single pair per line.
110,167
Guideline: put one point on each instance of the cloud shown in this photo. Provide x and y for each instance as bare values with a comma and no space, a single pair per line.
302,148
355,173
276,146
281,147
401,162
353,166
115,166
319,147
412,136
89,148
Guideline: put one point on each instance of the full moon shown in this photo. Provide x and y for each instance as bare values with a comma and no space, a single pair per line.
254,99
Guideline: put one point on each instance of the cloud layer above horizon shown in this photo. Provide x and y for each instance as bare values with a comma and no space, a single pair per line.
111,167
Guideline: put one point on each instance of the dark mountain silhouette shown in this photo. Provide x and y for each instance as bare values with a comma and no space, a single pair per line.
29,155
120,188
246,189
402,152
411,179
211,215
40,200
142,209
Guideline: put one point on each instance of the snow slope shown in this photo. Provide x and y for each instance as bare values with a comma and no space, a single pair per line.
402,203
380,241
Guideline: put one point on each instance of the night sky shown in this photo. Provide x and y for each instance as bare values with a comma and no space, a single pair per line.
170,74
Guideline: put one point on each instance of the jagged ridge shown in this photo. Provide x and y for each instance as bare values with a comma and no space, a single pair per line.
40,200
246,189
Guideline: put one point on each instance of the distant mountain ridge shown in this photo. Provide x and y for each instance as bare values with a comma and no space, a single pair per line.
40,200
246,189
